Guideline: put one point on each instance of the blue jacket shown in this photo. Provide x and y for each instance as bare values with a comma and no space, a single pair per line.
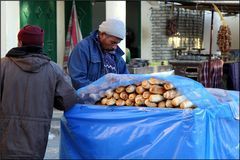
85,63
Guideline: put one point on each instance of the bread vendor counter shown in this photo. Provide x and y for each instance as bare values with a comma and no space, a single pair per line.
141,66
93,131
149,69
199,71
188,68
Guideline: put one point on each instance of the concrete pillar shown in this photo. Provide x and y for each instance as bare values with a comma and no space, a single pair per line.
146,30
10,25
117,9
60,31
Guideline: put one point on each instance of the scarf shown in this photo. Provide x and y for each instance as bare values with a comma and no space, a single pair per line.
109,62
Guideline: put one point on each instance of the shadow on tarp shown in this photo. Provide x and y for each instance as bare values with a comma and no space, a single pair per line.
109,132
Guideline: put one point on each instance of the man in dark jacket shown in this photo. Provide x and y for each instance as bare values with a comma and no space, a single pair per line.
98,54
31,85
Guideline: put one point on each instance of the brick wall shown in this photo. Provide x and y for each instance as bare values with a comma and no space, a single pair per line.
190,25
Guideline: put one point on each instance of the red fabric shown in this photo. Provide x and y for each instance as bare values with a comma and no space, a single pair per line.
74,32
31,35
74,35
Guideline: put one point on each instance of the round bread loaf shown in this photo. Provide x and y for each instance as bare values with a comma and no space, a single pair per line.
162,104
120,89
130,88
120,102
111,101
123,95
116,95
140,89
145,84
132,96
139,100
129,102
146,94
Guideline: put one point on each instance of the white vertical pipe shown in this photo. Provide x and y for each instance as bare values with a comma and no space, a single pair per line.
146,30
117,9
10,25
60,31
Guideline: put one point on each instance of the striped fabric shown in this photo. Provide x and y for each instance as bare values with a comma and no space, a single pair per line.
74,35
216,73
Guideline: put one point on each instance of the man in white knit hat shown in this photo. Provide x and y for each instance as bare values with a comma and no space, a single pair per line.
98,54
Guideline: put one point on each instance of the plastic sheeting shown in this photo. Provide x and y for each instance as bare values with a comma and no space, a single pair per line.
209,131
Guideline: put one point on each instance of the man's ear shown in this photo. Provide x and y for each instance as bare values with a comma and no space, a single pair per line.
20,43
100,33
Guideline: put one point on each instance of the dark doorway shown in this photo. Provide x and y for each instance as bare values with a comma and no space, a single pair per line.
133,26
99,13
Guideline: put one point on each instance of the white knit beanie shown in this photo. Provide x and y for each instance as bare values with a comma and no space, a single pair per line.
113,27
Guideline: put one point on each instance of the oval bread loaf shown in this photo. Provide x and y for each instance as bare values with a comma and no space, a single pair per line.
156,98
186,104
156,81
170,94
168,86
150,104
156,89
177,100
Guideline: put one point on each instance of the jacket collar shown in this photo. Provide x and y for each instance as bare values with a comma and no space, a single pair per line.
93,35
25,50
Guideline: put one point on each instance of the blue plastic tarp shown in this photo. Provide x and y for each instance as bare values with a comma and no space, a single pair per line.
109,132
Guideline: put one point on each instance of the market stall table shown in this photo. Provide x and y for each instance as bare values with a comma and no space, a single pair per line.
109,132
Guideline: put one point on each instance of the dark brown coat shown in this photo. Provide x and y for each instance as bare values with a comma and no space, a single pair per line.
31,85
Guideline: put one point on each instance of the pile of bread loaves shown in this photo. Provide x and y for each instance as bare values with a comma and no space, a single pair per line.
148,93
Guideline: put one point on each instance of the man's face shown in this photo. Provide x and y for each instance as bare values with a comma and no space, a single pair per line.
108,42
